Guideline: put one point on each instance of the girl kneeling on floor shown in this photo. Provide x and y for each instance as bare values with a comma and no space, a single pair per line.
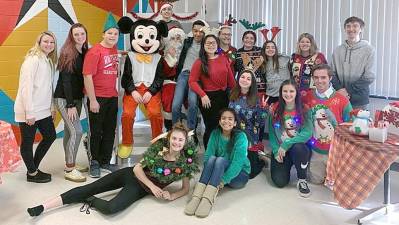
225,163
289,130
166,160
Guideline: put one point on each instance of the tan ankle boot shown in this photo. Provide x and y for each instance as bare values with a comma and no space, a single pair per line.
207,200
195,200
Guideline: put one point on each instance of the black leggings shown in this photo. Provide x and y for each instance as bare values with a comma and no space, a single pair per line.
46,128
219,100
124,178
299,155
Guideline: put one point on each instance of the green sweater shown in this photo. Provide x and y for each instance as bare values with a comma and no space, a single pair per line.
218,146
276,130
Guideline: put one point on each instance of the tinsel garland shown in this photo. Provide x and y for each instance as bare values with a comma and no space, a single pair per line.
166,172
137,17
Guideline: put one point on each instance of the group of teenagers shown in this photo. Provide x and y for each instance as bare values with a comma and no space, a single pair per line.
240,93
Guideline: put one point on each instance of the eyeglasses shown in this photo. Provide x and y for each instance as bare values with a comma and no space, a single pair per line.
210,43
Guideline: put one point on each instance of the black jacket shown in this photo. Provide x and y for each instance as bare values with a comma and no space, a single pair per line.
70,85
186,45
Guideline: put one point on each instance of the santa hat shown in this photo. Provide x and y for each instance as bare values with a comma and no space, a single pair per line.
165,5
173,31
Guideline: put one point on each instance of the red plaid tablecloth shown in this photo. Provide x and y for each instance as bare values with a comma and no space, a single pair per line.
355,165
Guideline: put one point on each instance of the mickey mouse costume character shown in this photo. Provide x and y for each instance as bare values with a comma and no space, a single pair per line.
141,77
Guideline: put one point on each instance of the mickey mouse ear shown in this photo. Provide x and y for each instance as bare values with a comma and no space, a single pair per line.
125,24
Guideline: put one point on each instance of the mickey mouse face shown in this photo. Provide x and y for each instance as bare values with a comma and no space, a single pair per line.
145,39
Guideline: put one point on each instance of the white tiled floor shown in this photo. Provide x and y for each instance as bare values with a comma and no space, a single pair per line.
258,203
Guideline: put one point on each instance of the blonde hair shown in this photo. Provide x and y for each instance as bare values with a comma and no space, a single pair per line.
313,48
36,50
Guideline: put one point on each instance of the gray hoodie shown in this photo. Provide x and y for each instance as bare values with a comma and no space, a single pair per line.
354,69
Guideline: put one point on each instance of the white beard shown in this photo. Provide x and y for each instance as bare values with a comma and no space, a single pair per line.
171,60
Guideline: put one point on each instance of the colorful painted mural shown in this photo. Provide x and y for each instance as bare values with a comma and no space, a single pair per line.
22,20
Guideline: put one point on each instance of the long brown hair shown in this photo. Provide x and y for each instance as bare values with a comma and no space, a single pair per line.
69,52
203,56
274,58
279,113
252,92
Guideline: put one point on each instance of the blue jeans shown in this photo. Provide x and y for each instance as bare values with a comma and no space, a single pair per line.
181,91
214,170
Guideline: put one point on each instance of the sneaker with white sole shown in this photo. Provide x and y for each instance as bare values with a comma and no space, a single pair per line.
303,188
94,170
109,168
74,175
81,169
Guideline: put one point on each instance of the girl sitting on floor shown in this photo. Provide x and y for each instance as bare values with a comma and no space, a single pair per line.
166,160
225,163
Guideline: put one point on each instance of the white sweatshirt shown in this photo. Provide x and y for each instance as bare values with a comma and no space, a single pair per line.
35,92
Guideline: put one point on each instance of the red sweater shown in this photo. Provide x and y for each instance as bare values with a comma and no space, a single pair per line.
220,76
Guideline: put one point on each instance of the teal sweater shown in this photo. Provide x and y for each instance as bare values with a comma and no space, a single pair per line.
218,146
304,133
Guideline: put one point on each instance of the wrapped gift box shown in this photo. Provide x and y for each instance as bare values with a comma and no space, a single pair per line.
391,116
378,134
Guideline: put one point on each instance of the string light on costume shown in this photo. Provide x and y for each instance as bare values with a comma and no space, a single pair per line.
159,170
219,51
312,141
277,125
189,160
297,120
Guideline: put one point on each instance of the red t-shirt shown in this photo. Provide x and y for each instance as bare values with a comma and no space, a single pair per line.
220,76
102,64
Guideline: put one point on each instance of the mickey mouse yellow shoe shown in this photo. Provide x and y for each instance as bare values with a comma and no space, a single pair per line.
124,151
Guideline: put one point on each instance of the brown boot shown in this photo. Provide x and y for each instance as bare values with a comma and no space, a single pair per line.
207,200
195,200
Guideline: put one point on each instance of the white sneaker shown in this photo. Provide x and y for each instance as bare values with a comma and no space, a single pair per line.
74,176
81,169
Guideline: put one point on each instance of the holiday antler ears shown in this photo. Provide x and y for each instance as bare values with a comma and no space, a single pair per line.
229,22
125,24
250,26
264,33
274,31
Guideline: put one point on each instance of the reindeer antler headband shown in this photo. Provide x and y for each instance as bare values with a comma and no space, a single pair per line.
274,31
228,22
251,26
